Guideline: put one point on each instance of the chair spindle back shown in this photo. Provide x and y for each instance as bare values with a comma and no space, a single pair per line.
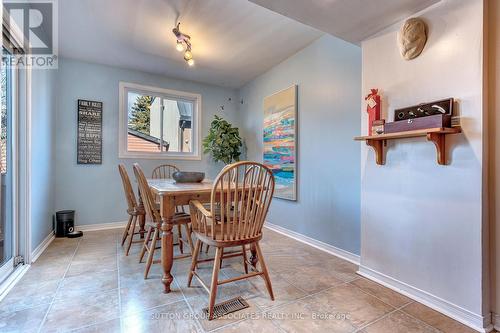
127,188
164,171
241,195
146,195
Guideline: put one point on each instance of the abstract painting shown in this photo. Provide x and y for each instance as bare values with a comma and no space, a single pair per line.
280,147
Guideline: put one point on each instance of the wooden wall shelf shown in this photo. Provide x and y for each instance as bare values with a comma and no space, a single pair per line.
435,135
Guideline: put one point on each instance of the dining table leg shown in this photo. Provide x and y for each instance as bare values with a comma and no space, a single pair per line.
167,241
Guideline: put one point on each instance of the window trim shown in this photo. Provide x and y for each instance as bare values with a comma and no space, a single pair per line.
124,88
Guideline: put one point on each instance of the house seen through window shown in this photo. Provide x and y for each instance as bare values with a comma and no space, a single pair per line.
160,123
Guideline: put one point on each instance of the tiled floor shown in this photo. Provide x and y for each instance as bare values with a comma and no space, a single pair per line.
88,285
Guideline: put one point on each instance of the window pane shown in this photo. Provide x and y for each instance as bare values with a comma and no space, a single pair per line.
177,124
144,131
6,174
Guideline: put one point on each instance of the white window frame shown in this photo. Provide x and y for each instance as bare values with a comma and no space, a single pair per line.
123,152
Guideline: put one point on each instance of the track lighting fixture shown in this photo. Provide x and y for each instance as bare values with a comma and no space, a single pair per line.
183,45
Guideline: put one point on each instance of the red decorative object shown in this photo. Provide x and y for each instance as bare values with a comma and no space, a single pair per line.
373,108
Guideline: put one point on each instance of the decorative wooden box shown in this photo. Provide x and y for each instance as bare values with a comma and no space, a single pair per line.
435,121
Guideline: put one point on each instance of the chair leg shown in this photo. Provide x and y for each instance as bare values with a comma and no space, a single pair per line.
189,239
131,232
151,253
264,270
222,254
196,252
208,247
145,244
244,250
181,243
125,232
215,281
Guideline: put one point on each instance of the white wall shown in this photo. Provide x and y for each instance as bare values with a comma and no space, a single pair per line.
421,223
328,76
43,111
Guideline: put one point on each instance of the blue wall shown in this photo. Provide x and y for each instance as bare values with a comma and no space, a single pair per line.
43,112
328,75
95,191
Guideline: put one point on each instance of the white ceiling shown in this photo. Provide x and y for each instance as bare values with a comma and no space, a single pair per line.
351,20
233,40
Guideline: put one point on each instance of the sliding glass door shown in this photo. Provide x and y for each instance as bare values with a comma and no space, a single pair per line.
8,174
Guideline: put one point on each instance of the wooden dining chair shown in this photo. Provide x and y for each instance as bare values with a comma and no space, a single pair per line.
240,199
154,222
165,171
134,210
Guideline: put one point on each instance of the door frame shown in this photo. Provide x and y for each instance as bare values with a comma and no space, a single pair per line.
21,173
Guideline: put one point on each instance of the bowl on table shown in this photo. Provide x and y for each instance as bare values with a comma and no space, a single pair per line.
188,177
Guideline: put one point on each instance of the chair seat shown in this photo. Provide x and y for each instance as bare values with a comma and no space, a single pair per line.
200,234
227,217
179,218
136,211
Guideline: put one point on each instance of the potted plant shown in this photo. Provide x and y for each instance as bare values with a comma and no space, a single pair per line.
223,141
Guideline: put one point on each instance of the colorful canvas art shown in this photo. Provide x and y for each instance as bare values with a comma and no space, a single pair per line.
280,148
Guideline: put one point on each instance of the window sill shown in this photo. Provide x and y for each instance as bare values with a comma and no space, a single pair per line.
158,156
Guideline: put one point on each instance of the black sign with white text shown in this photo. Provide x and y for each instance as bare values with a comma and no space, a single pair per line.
89,145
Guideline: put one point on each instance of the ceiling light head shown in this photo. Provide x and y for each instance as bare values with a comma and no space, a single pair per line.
179,47
190,62
188,55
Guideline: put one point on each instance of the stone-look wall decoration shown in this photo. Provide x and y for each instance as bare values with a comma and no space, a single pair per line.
412,38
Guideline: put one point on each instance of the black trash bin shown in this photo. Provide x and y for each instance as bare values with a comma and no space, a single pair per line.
65,222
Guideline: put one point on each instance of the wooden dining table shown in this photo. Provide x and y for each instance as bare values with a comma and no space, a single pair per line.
172,195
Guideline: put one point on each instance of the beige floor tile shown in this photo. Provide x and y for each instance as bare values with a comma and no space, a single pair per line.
25,321
349,301
110,326
311,279
340,269
251,326
24,296
314,292
87,283
44,273
174,317
145,295
82,310
284,292
436,319
53,259
385,294
399,322
132,278
92,265
85,252
302,317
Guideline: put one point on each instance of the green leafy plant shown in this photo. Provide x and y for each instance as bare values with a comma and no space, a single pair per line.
223,141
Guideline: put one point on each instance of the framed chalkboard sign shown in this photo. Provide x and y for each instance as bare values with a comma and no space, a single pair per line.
89,145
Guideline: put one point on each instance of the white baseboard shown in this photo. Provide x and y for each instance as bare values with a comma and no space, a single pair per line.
496,321
101,226
11,281
42,246
466,317
351,257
